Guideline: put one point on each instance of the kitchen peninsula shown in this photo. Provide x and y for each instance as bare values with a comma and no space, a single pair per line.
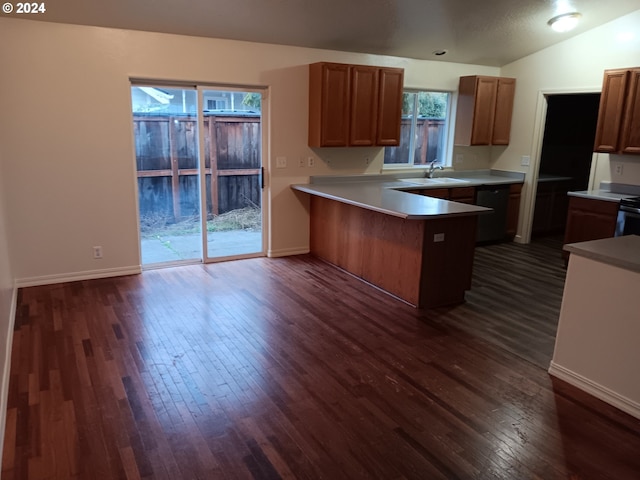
418,248
597,341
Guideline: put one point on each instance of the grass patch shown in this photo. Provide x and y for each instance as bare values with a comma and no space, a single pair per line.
248,218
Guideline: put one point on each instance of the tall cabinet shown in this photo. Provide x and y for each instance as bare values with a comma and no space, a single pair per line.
485,106
354,105
618,129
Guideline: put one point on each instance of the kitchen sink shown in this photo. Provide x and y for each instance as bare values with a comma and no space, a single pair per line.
434,181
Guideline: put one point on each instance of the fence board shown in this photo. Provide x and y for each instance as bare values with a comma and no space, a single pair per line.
166,151
212,145
426,151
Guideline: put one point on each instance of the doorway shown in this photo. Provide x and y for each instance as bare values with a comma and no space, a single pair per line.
565,161
199,173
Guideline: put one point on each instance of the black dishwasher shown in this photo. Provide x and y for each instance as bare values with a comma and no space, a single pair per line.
492,227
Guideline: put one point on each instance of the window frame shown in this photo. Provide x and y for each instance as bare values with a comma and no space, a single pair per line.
447,147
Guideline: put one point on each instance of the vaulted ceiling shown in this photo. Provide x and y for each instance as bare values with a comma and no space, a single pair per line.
487,32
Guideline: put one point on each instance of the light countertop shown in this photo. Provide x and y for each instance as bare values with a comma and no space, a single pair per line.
548,177
384,193
382,197
623,252
608,191
600,195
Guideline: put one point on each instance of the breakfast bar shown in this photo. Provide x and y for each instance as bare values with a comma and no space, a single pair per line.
417,248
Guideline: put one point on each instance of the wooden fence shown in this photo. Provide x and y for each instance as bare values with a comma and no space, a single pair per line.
430,131
167,165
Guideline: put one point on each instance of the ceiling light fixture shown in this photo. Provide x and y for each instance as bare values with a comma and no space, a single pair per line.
564,22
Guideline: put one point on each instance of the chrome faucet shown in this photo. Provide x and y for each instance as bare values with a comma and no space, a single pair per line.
432,168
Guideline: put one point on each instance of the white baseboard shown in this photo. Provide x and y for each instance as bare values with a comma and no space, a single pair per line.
76,276
603,393
4,385
285,252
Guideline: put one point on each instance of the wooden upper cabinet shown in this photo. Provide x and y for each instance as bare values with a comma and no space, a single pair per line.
610,110
485,106
354,105
630,135
364,105
329,93
391,81
504,111
618,129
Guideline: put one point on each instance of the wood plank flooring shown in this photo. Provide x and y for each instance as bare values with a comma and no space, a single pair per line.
290,368
515,298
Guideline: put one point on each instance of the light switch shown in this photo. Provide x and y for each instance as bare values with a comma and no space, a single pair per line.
281,162
525,161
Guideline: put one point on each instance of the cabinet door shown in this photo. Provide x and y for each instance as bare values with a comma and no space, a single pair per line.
364,100
630,135
442,193
504,110
463,195
513,209
589,219
391,82
610,110
484,110
543,209
328,105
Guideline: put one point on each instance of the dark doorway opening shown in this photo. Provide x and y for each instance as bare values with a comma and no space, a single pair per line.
565,163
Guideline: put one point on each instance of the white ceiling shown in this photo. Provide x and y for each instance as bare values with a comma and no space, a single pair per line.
484,32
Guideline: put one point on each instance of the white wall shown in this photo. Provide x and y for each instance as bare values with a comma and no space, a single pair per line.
575,65
68,145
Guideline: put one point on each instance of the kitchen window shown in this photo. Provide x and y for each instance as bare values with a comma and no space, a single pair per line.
423,136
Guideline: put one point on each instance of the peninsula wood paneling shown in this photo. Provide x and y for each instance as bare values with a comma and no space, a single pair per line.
381,249
449,262
400,256
391,253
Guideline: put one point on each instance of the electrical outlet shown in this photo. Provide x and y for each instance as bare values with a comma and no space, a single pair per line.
367,160
618,169
97,252
301,162
459,158
525,161
311,161
438,237
281,162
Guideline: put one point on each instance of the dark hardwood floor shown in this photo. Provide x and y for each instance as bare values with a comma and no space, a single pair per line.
515,298
289,368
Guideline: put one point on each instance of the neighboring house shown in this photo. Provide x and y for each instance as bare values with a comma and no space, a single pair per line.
152,99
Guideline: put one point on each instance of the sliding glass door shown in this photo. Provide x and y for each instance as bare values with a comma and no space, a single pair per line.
233,163
199,170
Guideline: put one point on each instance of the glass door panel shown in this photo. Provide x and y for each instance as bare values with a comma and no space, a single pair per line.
233,163
165,125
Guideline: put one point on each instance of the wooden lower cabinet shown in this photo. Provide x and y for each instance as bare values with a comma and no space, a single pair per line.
442,193
468,195
550,212
402,257
456,194
463,195
590,219
513,209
